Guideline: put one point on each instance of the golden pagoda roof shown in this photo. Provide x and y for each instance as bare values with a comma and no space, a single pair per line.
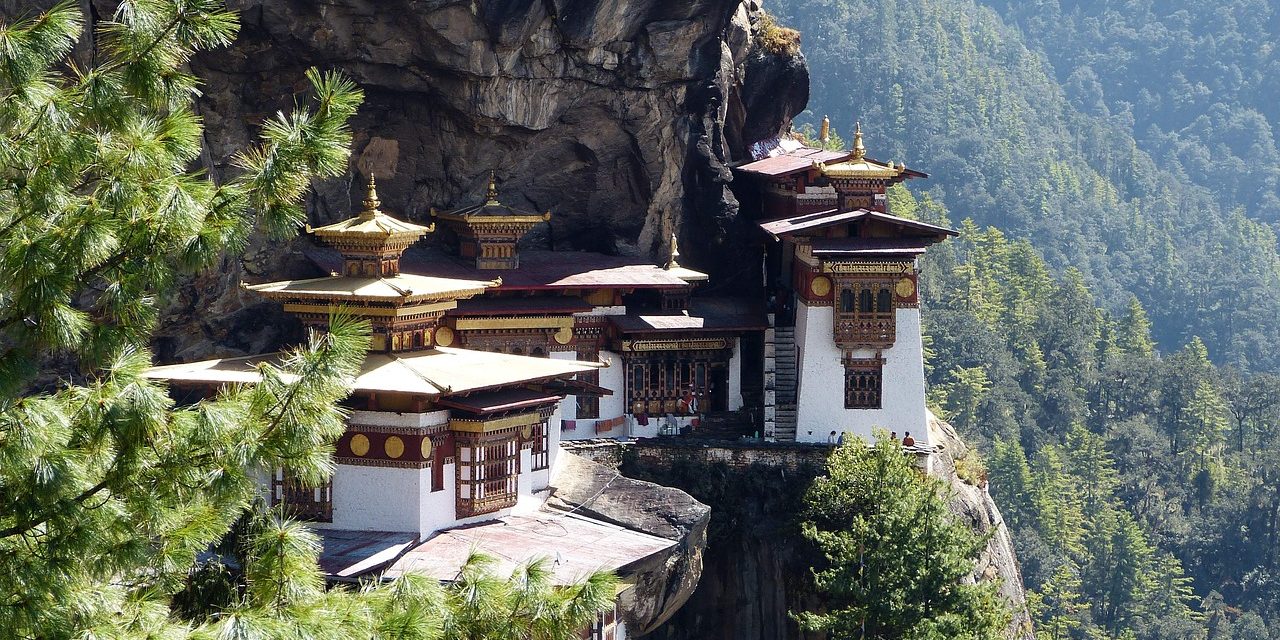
858,165
492,211
673,266
372,223
432,372
402,288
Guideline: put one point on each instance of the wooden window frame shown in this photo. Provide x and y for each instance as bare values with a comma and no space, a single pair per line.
290,494
863,383
865,314
487,472
540,451
656,384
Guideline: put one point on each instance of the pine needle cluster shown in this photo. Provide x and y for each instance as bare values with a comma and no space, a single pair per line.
108,490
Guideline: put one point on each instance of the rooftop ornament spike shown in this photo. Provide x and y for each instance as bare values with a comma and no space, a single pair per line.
673,265
492,195
859,150
673,262
826,130
371,201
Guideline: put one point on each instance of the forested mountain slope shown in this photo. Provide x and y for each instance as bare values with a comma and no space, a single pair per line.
1196,82
949,88
1105,327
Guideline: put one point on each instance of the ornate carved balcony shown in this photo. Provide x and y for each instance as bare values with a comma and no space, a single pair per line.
874,331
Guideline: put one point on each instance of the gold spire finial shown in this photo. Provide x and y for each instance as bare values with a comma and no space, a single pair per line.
371,201
826,130
859,151
493,188
674,261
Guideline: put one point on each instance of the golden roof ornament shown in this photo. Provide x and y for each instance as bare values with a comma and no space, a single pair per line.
859,166
674,261
492,195
674,268
371,201
859,151
826,130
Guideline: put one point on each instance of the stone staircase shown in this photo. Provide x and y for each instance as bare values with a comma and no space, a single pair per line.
780,383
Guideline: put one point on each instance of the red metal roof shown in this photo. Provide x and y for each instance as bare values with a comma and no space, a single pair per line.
486,402
540,269
349,554
791,161
793,224
705,315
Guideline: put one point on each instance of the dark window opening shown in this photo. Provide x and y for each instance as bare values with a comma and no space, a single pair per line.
863,383
300,501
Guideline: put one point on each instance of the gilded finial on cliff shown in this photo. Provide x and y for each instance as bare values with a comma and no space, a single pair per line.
674,261
826,130
371,201
493,189
859,151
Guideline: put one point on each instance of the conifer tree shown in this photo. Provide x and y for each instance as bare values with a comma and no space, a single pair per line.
108,491
1133,331
1058,605
896,557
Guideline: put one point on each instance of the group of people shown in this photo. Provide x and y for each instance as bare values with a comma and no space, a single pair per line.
907,440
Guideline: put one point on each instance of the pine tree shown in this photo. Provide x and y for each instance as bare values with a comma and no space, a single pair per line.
1058,605
1058,500
1011,483
108,491
1133,331
896,557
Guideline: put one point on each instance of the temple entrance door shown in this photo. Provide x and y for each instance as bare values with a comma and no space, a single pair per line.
719,388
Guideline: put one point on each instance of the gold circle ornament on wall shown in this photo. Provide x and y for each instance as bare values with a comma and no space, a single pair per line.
444,336
527,432
426,448
564,335
394,447
360,444
905,288
820,286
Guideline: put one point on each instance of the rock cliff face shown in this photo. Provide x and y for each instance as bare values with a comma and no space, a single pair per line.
619,116
663,583
756,565
973,505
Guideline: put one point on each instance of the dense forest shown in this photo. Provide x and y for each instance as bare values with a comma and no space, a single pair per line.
951,89
1105,328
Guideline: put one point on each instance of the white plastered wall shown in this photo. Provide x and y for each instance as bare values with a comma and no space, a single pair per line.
735,376
613,378
378,498
438,507
820,400
568,406
370,498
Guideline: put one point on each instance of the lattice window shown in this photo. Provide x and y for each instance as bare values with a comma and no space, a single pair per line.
865,315
588,405
300,501
604,627
488,473
676,383
863,383
539,453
